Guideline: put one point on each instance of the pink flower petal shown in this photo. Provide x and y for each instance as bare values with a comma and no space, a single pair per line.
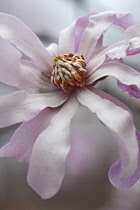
119,122
132,90
21,145
98,24
18,73
25,40
133,51
122,72
21,106
47,165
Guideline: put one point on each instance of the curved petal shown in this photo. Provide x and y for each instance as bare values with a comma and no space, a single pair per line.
18,73
122,72
129,46
115,171
21,145
80,27
99,43
98,24
47,164
123,183
133,35
70,37
53,49
25,40
67,39
96,60
115,51
24,75
119,122
97,52
22,106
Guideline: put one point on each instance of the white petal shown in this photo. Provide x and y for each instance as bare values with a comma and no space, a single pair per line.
122,72
25,40
21,106
53,49
47,165
98,24
67,39
119,122
21,145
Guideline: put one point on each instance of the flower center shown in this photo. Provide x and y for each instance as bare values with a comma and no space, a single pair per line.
68,71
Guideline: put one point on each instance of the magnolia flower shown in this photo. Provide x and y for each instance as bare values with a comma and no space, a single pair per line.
53,82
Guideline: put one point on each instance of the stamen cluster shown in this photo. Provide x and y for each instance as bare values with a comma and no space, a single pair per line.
68,71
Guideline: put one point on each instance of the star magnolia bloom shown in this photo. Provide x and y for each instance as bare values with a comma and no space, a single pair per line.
53,83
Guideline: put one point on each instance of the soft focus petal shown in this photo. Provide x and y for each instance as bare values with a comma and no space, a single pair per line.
47,165
119,122
21,145
98,24
25,40
21,106
124,182
122,72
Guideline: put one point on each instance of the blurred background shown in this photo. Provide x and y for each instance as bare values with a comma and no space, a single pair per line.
86,185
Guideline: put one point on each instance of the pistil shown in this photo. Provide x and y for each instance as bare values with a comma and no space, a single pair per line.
69,71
